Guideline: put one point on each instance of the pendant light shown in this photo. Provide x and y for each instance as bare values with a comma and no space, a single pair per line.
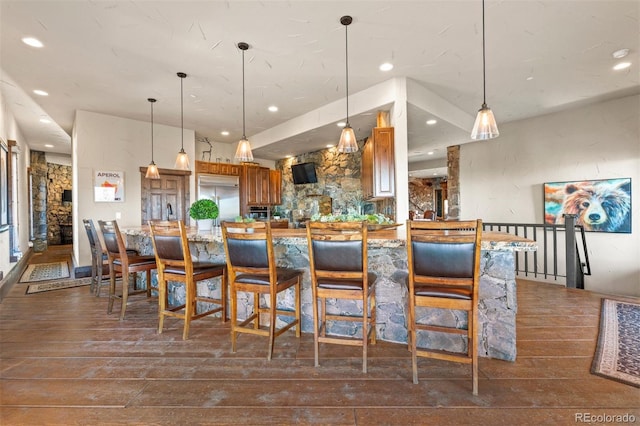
485,126
182,161
152,170
243,152
348,143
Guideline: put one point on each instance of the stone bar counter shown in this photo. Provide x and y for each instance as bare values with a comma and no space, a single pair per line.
388,259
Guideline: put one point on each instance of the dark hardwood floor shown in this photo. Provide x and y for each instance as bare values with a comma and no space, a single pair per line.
64,361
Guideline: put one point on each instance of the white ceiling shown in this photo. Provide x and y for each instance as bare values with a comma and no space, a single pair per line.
110,56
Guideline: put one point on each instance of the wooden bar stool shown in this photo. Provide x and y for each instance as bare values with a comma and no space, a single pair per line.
338,260
174,261
444,273
124,263
251,266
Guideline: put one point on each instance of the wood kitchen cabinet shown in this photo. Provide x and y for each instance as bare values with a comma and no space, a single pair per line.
254,185
275,187
378,165
227,169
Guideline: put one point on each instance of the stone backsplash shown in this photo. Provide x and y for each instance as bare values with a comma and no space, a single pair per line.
339,177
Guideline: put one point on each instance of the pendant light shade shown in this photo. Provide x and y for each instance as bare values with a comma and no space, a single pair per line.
348,143
152,170
182,161
243,152
485,126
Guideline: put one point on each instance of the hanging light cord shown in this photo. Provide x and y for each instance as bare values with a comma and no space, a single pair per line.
244,135
150,101
484,66
346,61
181,114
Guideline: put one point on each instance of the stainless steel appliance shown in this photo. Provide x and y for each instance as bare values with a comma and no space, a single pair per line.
224,191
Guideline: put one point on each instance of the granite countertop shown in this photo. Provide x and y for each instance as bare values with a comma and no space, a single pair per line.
491,240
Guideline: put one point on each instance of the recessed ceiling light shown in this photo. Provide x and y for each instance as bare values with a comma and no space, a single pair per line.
45,120
40,92
386,66
48,145
622,66
33,42
224,133
619,54
193,96
435,174
529,78
432,122
330,146
430,153
273,108
341,124
289,156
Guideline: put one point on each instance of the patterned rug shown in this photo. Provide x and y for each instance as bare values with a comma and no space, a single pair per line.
617,355
57,285
45,271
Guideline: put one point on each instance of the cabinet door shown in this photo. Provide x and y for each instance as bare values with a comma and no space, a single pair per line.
383,162
367,169
251,185
263,186
214,168
202,167
234,170
275,187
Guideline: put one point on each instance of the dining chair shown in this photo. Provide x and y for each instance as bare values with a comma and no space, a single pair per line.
339,270
124,263
251,268
175,264
444,273
99,258
430,215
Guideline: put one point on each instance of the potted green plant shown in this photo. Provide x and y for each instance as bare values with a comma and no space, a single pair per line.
204,211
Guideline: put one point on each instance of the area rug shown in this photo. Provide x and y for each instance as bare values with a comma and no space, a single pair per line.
57,285
45,271
617,355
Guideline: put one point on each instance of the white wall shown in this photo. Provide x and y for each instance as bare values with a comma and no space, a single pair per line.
103,142
501,180
9,130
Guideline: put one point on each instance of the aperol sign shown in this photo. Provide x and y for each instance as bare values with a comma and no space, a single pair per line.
108,186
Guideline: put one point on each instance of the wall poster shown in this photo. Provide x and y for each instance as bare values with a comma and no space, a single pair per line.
108,187
600,205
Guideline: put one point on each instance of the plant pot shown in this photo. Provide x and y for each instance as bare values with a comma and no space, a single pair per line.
204,224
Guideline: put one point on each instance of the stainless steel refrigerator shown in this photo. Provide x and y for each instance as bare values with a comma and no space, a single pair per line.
224,191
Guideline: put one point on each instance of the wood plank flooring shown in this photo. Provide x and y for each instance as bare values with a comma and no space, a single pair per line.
64,361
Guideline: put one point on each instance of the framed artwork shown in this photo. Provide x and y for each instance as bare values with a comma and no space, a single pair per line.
4,187
600,205
108,187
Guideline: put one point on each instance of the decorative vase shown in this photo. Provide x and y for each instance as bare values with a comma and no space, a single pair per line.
204,224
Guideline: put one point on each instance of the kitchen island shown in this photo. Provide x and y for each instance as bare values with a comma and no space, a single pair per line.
388,259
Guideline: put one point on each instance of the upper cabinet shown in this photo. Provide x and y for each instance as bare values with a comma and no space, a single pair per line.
275,187
217,168
378,166
255,186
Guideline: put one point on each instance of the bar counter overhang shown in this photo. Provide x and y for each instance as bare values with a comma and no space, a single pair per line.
388,259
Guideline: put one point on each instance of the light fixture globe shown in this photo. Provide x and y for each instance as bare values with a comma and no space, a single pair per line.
348,143
182,160
243,152
152,169
485,126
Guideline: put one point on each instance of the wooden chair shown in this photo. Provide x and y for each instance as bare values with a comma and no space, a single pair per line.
338,261
251,267
99,258
173,257
444,273
430,215
124,263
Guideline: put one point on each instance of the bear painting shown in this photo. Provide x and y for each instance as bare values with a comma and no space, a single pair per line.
600,205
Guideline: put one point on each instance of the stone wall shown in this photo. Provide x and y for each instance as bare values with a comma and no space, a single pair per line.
338,177
58,212
422,194
39,200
